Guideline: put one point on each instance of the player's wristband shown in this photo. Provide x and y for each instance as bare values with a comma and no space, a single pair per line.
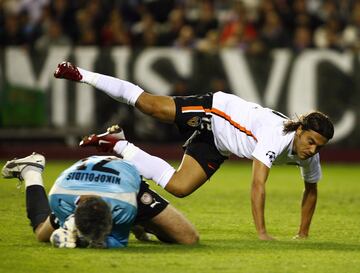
54,221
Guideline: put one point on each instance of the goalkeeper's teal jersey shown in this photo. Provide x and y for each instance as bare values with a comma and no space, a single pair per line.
115,180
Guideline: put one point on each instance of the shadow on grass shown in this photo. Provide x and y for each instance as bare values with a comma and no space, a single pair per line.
211,246
244,245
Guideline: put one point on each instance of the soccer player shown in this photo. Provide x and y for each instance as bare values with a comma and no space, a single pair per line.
218,125
95,203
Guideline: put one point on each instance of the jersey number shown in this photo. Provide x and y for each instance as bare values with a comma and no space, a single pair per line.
99,167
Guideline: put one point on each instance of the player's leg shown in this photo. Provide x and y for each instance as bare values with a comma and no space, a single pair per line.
201,158
187,178
160,107
29,169
157,216
181,182
44,230
191,174
171,226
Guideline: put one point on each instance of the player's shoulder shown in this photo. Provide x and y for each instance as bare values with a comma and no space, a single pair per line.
273,145
272,118
273,132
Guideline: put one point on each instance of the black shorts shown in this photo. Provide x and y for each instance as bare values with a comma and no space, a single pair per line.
149,203
194,123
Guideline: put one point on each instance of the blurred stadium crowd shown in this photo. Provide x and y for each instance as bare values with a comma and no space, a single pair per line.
251,25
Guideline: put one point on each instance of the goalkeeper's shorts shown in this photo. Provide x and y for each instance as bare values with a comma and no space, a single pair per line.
149,203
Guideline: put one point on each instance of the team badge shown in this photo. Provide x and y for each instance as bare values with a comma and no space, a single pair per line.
271,155
146,198
194,121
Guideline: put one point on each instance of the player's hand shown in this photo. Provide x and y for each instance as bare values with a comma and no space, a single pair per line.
140,233
266,237
69,224
63,238
300,236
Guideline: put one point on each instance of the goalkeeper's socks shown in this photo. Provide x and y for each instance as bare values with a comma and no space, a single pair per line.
32,176
37,205
120,90
151,167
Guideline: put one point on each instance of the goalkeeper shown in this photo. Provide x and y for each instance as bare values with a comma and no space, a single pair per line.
95,203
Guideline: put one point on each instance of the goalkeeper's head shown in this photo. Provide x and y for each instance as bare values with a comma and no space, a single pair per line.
93,220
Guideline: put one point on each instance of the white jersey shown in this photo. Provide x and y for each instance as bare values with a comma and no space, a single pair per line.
248,130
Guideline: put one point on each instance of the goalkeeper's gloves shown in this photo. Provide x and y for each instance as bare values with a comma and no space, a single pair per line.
62,238
69,224
66,236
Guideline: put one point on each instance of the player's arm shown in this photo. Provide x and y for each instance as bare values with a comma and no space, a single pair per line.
112,241
123,218
45,229
308,205
119,236
311,173
260,174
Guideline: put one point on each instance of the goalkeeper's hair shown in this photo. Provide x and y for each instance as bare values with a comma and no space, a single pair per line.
315,121
93,219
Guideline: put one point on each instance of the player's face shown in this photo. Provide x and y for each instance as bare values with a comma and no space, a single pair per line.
307,143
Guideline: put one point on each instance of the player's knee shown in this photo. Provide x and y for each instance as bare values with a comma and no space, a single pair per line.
180,185
192,238
187,237
43,232
148,104
160,107
181,192
41,237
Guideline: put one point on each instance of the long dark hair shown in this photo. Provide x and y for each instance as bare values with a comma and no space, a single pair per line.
316,121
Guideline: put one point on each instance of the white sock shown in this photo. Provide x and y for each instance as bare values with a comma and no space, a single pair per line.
150,167
120,90
32,176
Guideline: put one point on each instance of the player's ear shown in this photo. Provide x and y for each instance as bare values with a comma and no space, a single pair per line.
299,130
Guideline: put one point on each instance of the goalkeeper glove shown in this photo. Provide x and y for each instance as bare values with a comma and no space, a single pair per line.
65,236
69,224
62,238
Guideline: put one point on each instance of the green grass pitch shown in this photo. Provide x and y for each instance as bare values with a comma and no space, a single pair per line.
221,212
